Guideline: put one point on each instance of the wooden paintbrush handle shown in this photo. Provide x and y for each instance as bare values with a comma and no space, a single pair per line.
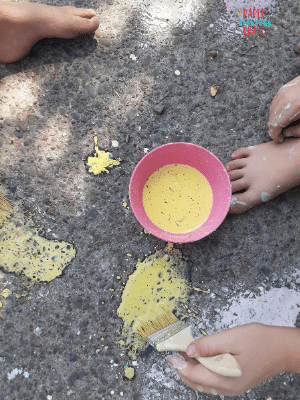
222,364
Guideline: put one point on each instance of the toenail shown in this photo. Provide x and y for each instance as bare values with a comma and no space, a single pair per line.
233,155
199,389
227,168
214,392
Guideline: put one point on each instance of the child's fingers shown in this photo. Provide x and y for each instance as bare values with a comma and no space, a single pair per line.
201,379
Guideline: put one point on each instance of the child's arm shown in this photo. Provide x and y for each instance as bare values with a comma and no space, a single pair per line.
262,351
285,109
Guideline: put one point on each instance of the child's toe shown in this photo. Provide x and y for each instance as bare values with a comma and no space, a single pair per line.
85,12
87,25
238,185
236,164
235,174
242,202
242,152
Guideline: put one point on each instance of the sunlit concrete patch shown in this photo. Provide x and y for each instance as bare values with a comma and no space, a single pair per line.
156,16
157,282
278,306
25,253
52,141
161,16
18,96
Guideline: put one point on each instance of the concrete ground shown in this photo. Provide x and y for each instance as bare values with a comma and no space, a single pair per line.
62,337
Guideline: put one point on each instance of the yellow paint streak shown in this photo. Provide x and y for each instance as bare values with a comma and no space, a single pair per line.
101,161
5,209
200,290
177,198
1,304
24,252
157,282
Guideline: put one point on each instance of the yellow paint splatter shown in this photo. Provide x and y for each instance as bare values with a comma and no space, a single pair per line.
24,252
101,161
129,372
177,198
157,282
97,351
6,292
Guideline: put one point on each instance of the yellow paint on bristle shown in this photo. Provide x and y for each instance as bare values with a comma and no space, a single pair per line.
24,252
157,283
101,161
177,198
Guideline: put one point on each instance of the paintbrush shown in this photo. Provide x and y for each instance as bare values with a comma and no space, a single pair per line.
5,209
167,333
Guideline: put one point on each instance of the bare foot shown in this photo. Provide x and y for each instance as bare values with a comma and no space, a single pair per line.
23,24
262,172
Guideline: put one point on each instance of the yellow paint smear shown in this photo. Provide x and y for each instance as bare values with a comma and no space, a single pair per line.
157,282
177,198
101,161
129,372
24,252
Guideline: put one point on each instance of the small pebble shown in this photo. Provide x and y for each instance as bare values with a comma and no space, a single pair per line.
177,72
132,57
115,143
158,109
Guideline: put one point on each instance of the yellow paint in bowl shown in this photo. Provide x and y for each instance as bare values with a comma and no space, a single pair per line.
177,198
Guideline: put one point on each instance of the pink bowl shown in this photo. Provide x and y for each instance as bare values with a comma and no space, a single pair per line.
197,157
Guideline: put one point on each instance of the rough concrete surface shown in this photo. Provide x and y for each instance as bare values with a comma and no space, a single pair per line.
53,102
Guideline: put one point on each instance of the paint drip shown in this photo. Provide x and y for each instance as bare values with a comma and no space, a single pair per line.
157,282
265,196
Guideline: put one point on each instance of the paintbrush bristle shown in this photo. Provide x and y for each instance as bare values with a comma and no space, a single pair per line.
161,321
5,209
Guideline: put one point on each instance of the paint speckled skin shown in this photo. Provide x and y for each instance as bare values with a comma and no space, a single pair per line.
177,198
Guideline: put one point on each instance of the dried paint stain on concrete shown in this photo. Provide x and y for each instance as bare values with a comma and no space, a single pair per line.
24,252
101,161
157,282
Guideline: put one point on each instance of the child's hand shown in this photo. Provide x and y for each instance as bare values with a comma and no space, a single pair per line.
285,109
258,349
